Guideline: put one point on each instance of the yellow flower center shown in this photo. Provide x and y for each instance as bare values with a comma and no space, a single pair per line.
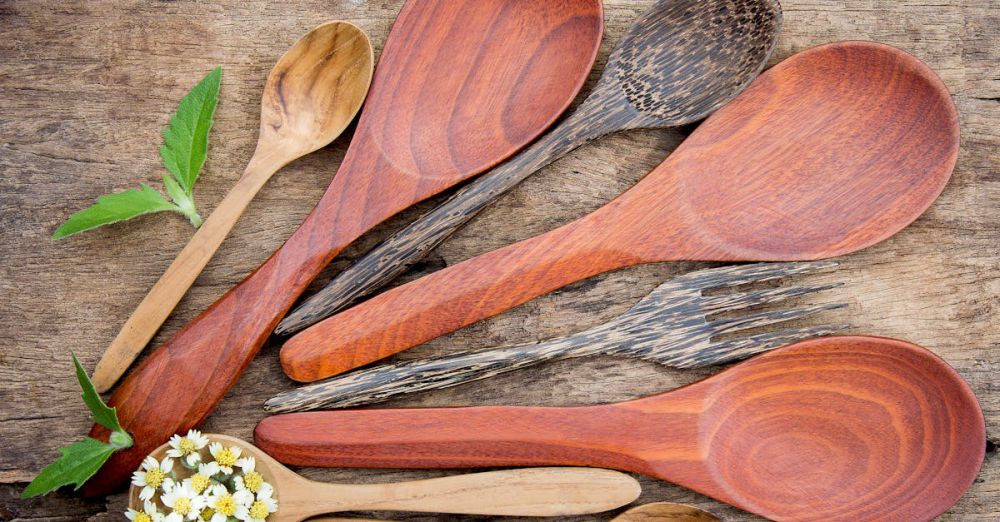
187,446
154,477
199,482
182,506
225,457
142,517
253,481
226,505
258,510
206,514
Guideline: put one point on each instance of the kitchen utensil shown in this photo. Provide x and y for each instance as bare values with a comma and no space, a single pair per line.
460,86
669,326
523,492
655,512
666,512
311,95
678,62
828,152
833,429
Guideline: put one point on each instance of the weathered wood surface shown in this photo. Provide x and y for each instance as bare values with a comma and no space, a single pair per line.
86,89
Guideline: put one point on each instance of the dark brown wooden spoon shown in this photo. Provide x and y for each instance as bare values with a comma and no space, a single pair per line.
830,151
679,62
460,86
831,429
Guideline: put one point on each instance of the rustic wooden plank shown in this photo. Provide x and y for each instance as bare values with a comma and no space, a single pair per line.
87,88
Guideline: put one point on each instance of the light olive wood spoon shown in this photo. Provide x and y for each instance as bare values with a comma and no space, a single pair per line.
311,95
655,512
515,492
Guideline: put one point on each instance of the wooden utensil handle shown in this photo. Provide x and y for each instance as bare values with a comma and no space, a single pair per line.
450,437
182,272
535,492
179,384
450,299
381,383
404,248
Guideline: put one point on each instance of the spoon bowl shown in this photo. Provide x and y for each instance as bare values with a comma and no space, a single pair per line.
666,512
517,492
832,429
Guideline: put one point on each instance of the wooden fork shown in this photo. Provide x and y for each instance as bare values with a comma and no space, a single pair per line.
669,326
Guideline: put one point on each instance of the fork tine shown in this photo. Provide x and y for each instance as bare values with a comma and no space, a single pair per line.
722,326
729,302
751,273
734,349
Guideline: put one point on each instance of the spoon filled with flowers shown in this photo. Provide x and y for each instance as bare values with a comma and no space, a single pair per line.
216,478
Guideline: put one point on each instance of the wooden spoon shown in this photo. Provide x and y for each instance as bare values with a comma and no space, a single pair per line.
517,492
680,61
460,86
311,95
830,151
655,512
835,428
666,512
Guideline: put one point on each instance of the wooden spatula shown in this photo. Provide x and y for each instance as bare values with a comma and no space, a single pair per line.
832,429
460,86
830,151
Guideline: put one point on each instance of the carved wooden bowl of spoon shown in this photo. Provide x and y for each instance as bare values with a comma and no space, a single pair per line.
514,492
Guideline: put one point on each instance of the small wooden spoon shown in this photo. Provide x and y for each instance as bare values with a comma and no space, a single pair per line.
311,95
516,492
832,150
655,512
831,429
666,512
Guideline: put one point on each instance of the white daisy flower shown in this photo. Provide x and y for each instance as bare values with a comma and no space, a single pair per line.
183,501
202,479
251,480
225,504
226,457
152,476
188,447
263,505
149,513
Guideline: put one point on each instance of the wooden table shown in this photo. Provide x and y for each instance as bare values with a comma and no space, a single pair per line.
86,89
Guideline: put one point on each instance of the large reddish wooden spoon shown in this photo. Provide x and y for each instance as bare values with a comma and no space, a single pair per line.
830,151
832,429
461,85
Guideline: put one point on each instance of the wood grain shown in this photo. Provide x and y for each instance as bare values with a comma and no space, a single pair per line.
679,62
421,131
809,162
830,429
87,88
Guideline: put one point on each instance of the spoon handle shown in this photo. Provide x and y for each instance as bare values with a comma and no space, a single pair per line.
381,383
392,257
450,299
515,492
182,272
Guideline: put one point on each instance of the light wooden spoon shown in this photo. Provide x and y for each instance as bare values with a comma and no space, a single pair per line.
513,492
655,512
311,95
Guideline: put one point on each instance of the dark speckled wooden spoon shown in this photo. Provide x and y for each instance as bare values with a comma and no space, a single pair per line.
679,62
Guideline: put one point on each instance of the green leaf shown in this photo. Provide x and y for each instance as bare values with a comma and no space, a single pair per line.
185,140
182,199
79,462
112,208
101,413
